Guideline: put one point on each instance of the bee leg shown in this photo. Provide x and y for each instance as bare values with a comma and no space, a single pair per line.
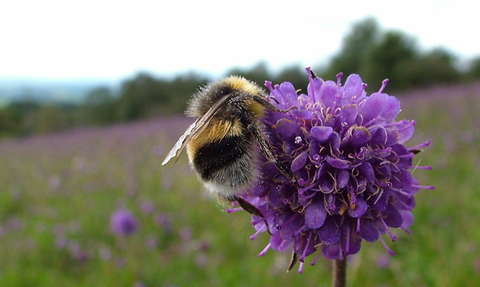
416,151
248,207
269,105
293,261
267,150
285,170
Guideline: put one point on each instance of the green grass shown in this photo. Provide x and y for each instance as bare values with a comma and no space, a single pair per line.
59,191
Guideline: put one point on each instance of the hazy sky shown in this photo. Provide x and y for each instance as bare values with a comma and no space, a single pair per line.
114,39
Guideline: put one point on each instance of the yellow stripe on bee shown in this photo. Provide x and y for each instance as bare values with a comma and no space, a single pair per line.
220,129
215,131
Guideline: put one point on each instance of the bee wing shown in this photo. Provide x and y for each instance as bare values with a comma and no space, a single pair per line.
194,129
180,144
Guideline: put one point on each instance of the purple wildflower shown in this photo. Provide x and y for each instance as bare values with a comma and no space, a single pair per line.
147,207
165,222
123,222
353,171
383,261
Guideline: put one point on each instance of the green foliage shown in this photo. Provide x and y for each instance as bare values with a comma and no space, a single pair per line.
377,55
433,68
17,118
27,117
137,96
8,126
474,69
50,118
179,91
99,107
356,47
144,96
384,58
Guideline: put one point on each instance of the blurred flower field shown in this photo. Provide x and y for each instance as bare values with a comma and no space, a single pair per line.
61,196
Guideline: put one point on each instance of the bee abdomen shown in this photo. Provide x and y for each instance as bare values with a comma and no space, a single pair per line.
217,155
226,165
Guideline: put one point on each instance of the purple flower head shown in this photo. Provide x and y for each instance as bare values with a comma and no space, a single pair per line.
353,171
123,222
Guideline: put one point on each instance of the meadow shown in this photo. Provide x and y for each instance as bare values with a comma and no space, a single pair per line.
58,193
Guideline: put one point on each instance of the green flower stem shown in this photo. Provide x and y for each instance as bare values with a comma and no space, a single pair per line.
340,272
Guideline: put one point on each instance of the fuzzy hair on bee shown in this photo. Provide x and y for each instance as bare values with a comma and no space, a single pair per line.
222,143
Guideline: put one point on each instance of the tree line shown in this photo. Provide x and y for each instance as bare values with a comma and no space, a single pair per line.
367,49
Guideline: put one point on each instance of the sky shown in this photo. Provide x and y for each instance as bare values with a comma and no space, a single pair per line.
116,39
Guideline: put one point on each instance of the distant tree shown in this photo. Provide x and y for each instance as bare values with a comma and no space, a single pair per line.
386,56
99,107
376,55
434,67
22,113
50,118
146,96
179,91
473,72
442,66
8,126
356,47
138,95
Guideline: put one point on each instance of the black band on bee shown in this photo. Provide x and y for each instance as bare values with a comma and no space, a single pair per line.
218,155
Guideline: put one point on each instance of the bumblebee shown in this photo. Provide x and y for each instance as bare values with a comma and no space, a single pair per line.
222,143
